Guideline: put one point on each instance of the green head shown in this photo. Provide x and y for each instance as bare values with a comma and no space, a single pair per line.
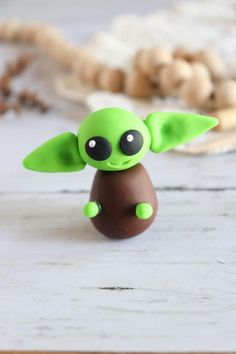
113,139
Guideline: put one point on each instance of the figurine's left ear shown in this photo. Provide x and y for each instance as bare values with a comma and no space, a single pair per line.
170,129
59,154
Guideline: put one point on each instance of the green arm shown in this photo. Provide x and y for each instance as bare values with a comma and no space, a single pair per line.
59,154
143,211
92,209
169,129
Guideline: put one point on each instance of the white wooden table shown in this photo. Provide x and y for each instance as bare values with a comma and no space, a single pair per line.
63,286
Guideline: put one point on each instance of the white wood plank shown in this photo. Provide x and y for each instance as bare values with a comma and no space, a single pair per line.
64,286
19,136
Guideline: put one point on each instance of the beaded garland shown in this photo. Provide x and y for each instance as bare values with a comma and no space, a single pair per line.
198,78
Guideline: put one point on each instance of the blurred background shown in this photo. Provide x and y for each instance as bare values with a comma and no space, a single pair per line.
79,56
84,17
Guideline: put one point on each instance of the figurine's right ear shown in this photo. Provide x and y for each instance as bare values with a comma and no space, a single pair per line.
59,154
170,129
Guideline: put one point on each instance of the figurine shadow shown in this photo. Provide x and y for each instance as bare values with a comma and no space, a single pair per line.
83,232
48,218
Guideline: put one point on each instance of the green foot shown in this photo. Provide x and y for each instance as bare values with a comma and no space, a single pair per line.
143,211
92,209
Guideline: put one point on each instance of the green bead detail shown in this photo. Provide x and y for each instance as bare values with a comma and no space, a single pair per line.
91,209
143,211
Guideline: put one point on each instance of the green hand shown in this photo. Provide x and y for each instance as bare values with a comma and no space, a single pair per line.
143,211
92,209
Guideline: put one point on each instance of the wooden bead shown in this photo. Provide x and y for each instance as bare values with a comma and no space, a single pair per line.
111,80
137,85
65,54
69,56
209,104
225,94
164,82
200,70
89,71
79,56
184,54
29,32
54,50
213,62
149,61
141,61
196,91
10,30
227,118
159,57
180,71
172,76
47,37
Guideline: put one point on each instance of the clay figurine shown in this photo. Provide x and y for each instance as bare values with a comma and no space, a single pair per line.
123,202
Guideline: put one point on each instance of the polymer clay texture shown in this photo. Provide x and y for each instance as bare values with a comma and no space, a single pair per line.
169,129
118,193
59,154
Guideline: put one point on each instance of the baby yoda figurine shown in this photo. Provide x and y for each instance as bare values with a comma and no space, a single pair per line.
123,202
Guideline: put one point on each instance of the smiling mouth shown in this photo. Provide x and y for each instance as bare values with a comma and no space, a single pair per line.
111,164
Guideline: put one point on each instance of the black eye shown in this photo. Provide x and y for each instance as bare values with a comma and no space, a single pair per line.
98,148
131,142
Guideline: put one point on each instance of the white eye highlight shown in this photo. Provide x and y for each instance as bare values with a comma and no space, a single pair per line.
130,138
92,143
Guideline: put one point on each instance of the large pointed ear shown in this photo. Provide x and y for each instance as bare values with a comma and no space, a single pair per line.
60,154
169,129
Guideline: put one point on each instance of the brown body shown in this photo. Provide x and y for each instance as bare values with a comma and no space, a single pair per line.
118,194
